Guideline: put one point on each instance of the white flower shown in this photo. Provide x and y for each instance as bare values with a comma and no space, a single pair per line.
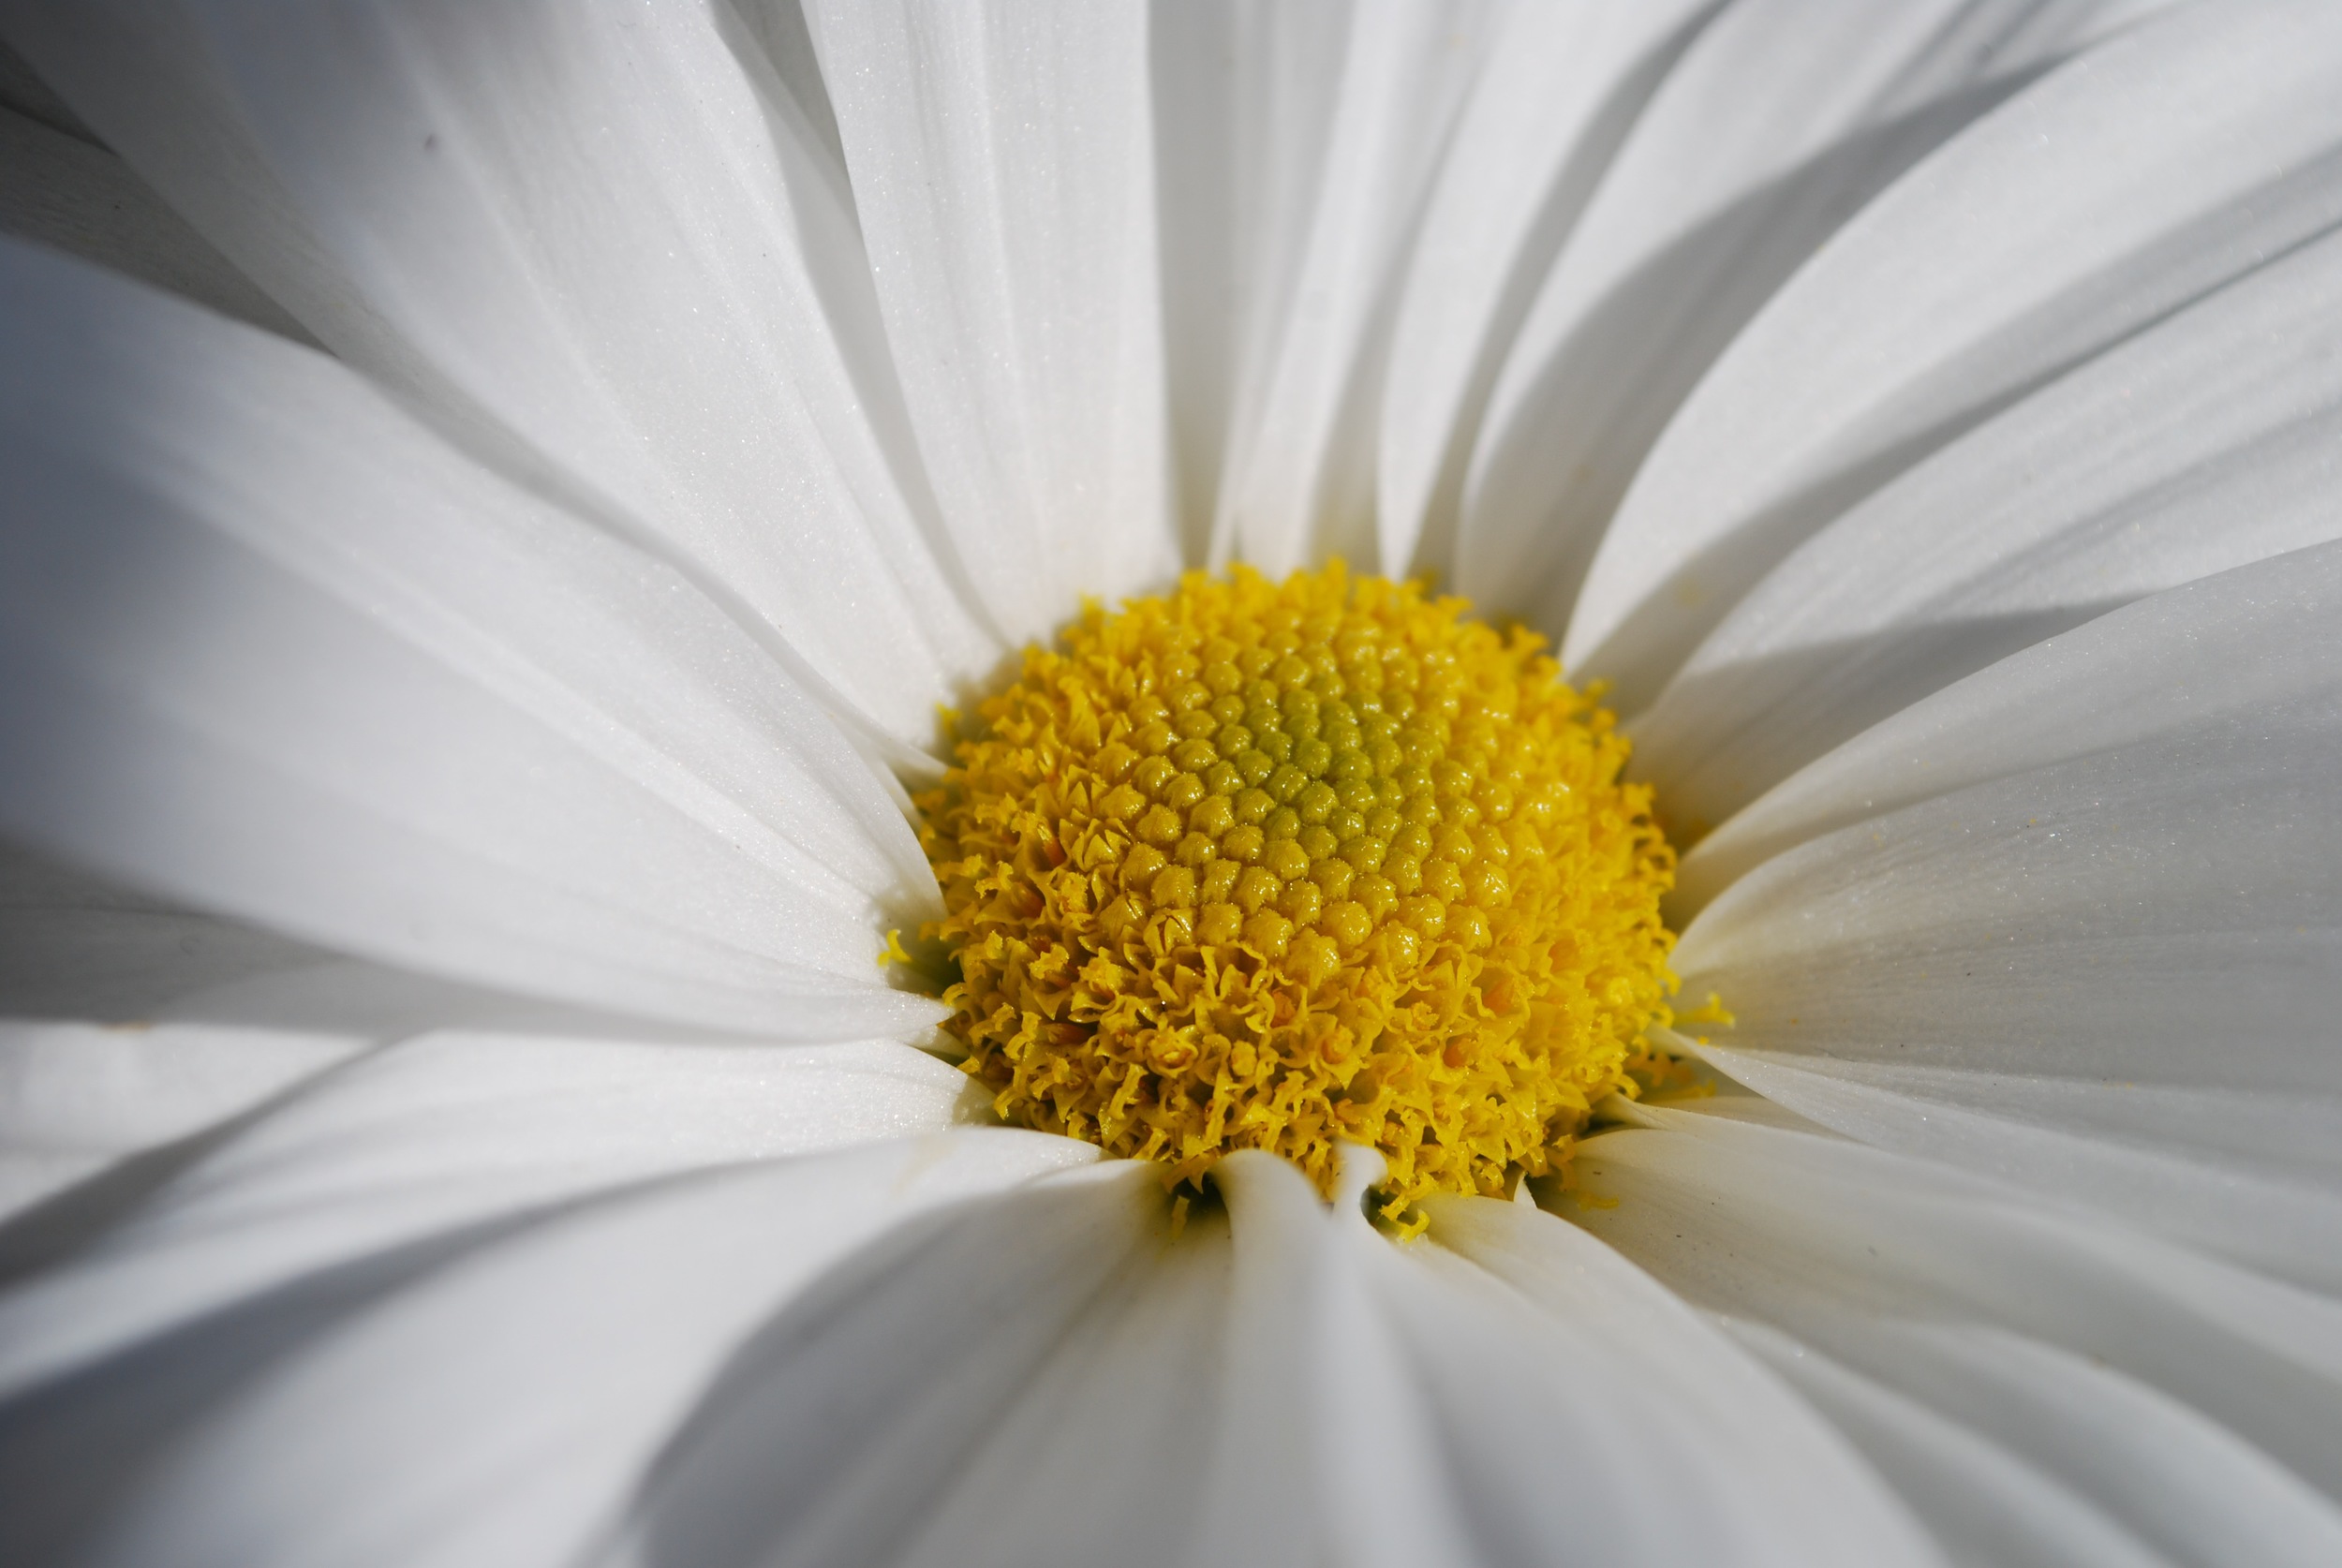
486,1137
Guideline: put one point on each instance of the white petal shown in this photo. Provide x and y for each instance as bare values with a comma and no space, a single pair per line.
1299,481
2143,175
23,92
76,1097
1243,99
1508,1391
60,191
272,648
1561,87
2253,1175
73,946
833,1431
1780,121
2198,1406
1987,1507
438,1138
2204,442
1003,170
590,243
500,1410
1629,1426
2107,862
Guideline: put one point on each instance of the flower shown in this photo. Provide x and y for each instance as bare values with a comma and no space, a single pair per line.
464,659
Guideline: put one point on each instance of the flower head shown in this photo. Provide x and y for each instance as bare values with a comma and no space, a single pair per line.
526,1043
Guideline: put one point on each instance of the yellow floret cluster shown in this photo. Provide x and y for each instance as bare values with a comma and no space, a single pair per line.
1283,866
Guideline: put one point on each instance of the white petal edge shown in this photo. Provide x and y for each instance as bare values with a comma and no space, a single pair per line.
272,648
2202,443
2141,175
1780,120
2200,1402
1299,480
2102,864
1003,170
59,190
507,1405
607,249
437,1136
1560,88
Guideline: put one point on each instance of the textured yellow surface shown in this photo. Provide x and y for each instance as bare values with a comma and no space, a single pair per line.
1281,865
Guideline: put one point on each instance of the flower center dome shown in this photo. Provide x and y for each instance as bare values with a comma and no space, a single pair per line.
1283,866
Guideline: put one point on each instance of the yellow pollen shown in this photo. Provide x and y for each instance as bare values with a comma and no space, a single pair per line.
1287,866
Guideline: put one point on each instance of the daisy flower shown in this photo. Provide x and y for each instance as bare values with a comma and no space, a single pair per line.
529,1041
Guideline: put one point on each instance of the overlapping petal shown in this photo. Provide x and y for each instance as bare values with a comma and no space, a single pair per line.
273,647
606,247
1778,123
2172,159
2159,1401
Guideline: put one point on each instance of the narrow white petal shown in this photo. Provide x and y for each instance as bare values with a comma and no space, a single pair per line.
1561,87
1596,1408
2253,1175
1299,477
421,1143
78,947
2108,864
1782,118
60,191
1262,1497
500,1410
1103,1452
2197,1406
272,648
2201,444
1508,1391
2173,158
832,1431
1002,169
2073,918
606,246
76,1097
1243,99
75,947
1989,1508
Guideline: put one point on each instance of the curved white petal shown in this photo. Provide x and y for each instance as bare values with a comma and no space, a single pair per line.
1244,98
2251,1174
271,647
2106,863
60,191
602,243
510,1399
840,1430
1561,87
2195,1405
2206,441
1299,474
1987,1507
440,1139
76,1097
1781,119
2173,158
1003,174
1567,1413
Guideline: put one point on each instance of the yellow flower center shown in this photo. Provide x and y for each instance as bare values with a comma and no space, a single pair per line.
1286,865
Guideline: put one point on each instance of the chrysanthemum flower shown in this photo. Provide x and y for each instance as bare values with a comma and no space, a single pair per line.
533,1042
